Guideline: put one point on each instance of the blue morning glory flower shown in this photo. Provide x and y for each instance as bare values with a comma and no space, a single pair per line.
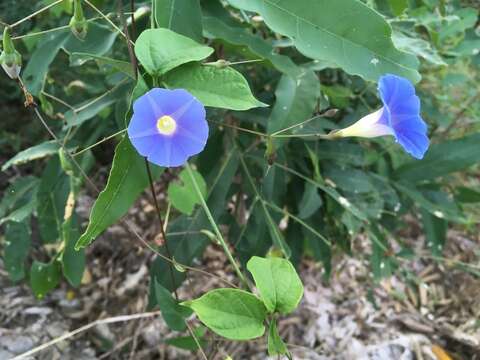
399,116
168,126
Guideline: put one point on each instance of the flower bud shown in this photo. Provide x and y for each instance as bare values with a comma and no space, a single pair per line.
78,24
10,59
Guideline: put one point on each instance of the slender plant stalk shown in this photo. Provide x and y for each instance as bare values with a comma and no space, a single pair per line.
219,235
162,230
68,335
35,13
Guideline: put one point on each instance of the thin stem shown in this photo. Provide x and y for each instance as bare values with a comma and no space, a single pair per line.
192,333
49,30
219,235
36,13
239,128
300,221
108,92
99,142
272,224
296,125
316,135
131,52
107,19
162,230
63,337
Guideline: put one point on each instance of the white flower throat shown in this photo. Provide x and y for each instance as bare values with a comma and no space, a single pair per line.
166,125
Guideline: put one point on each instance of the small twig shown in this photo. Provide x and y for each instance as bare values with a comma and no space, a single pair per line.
192,333
219,235
239,128
99,142
68,335
131,52
35,13
107,19
49,30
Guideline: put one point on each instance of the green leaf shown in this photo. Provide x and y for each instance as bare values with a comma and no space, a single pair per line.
17,245
99,40
275,345
278,283
51,201
439,206
44,277
173,313
127,179
33,153
183,196
161,50
435,232
22,191
442,159
466,195
398,6
216,28
296,102
188,342
217,87
418,47
360,43
47,49
21,213
77,59
73,262
182,16
231,313
310,202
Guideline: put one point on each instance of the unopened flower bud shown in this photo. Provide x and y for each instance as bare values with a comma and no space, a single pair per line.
78,24
10,58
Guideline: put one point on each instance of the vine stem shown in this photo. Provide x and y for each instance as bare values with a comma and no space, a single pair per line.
162,230
36,13
219,235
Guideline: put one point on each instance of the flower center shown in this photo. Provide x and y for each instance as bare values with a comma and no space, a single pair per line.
166,125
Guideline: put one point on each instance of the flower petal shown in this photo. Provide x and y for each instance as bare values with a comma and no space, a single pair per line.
394,89
144,145
414,143
168,153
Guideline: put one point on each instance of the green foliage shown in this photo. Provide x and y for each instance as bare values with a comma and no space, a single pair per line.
173,313
221,87
362,35
126,181
182,16
35,152
183,196
278,283
273,185
161,50
44,277
275,344
232,313
17,244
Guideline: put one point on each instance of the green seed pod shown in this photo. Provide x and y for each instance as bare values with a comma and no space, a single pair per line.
78,24
10,58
